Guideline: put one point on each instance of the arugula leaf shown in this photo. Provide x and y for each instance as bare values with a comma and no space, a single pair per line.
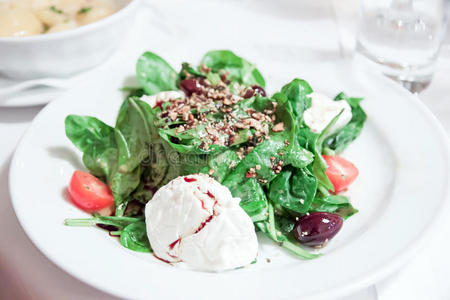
238,69
155,74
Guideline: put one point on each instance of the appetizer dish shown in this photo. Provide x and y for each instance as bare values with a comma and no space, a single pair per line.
32,17
200,160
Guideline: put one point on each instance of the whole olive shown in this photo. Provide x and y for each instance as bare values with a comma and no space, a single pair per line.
316,229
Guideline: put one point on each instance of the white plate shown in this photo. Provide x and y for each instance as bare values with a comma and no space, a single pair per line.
31,97
402,155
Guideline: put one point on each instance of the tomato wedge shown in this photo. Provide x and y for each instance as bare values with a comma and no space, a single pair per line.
90,194
340,171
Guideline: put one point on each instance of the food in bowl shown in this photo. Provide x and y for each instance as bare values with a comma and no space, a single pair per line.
32,17
68,52
201,158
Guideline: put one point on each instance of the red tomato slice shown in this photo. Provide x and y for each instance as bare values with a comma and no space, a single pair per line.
90,194
341,172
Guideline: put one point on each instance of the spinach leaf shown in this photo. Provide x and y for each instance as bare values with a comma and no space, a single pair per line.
337,204
132,231
265,155
285,224
221,164
253,199
272,231
133,133
294,96
238,69
155,74
186,68
294,189
134,237
119,222
97,142
344,136
122,185
319,165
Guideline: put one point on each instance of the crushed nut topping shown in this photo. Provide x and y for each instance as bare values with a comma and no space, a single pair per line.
278,127
212,108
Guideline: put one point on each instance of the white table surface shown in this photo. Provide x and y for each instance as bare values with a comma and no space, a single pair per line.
286,27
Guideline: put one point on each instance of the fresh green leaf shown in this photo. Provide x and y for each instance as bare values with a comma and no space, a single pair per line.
119,222
97,142
294,189
319,165
340,140
213,78
222,164
155,74
186,68
270,229
337,204
236,67
132,231
134,237
253,199
133,133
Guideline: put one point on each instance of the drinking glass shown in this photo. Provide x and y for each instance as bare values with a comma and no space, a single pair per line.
402,38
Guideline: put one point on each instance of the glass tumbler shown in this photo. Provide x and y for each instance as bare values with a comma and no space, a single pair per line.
402,38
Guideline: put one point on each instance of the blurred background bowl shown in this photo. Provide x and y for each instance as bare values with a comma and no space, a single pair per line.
68,52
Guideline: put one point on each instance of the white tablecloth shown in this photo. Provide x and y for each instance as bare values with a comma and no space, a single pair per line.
294,30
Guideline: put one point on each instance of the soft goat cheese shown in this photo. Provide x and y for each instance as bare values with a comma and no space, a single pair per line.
323,109
162,97
194,219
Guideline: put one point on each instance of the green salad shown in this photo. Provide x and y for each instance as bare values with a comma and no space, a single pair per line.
226,126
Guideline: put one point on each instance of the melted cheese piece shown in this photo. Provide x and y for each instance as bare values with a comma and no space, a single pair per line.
195,220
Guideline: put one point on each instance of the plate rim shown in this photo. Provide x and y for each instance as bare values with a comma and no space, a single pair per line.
372,276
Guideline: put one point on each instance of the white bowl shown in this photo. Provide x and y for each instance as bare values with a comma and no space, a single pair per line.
66,53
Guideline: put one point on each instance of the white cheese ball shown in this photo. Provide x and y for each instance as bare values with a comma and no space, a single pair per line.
323,109
163,97
195,220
